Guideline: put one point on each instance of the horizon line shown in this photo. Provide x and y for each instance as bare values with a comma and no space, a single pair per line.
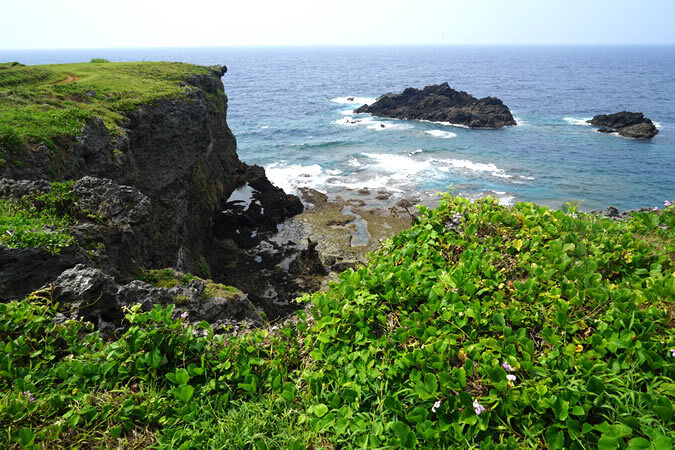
345,46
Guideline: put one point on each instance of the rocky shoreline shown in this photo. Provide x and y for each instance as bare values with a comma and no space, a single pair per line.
168,192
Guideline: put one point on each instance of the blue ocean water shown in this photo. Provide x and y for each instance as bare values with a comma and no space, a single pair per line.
290,111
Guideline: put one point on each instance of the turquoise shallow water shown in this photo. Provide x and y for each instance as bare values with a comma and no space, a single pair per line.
289,109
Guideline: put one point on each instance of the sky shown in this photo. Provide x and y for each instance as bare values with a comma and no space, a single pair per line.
32,24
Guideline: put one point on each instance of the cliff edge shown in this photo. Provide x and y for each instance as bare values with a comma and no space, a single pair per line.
151,139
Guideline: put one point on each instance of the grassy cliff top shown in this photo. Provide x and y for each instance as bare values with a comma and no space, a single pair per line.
50,104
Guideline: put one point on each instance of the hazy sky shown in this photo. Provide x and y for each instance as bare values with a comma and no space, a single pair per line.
155,23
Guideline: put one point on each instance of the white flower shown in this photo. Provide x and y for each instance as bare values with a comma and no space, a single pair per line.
478,408
436,406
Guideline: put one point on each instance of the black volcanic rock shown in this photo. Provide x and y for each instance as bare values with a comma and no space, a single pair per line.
627,124
441,103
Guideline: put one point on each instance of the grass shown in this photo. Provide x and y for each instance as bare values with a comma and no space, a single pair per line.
50,104
38,220
219,290
168,278
523,328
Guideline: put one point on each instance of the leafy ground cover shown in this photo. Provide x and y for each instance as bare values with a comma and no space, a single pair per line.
50,104
38,220
478,326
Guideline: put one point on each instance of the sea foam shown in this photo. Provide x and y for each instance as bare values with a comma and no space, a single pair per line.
290,177
574,121
353,100
441,134
371,124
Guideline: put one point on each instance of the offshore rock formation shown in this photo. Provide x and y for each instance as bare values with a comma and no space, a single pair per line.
627,124
441,103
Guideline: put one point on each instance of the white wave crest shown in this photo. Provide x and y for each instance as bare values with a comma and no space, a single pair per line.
377,182
353,100
574,121
290,177
415,152
456,125
657,124
371,124
384,126
399,166
441,134
353,162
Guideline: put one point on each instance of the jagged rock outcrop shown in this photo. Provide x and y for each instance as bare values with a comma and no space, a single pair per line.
112,224
92,294
308,261
627,124
255,207
441,103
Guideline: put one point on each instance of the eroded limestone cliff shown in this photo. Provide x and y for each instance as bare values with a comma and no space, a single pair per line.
148,193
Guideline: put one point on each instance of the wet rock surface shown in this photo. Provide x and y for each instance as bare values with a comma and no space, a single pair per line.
441,103
627,124
310,249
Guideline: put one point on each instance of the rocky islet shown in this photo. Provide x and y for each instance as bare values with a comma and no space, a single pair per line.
627,124
441,103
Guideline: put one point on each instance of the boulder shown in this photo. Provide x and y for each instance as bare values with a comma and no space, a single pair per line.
307,262
441,103
625,123
94,296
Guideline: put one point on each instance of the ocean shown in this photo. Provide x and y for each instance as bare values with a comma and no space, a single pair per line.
291,111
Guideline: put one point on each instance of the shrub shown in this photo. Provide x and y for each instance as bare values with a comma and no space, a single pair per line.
517,328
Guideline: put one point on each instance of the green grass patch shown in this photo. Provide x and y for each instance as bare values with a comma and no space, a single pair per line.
524,328
219,290
165,278
39,220
50,104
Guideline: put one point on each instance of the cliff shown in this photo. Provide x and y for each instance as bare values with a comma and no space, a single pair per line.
151,139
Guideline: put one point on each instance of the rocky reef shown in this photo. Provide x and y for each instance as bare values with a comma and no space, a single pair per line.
627,124
441,103
152,190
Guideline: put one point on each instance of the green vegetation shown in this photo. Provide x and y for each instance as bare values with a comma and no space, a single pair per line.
525,328
165,278
219,290
168,278
50,104
38,220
